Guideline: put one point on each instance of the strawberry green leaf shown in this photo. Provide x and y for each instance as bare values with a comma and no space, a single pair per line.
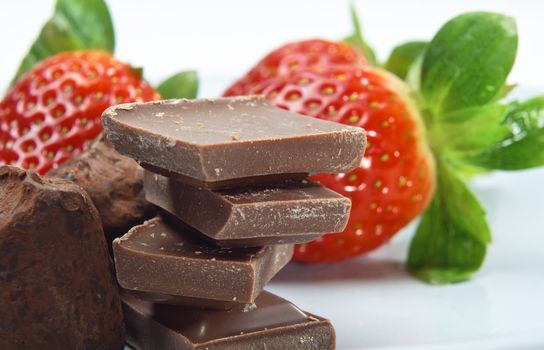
138,71
75,25
526,117
523,148
467,62
506,90
471,129
180,85
413,80
451,239
403,57
463,169
357,39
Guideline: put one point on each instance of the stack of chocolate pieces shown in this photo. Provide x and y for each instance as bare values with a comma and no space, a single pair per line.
230,178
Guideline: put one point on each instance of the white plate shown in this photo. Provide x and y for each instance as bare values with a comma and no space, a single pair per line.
374,303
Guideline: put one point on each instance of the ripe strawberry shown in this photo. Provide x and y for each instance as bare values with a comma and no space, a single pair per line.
300,55
395,180
54,110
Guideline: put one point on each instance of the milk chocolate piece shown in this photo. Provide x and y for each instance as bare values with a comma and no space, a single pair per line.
161,298
287,212
272,323
214,140
57,287
227,184
155,257
115,184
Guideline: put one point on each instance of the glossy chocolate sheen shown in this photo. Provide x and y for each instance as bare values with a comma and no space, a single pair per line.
115,184
157,258
271,323
287,212
214,140
57,284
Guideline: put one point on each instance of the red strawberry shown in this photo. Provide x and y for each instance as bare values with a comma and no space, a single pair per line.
395,180
54,110
296,56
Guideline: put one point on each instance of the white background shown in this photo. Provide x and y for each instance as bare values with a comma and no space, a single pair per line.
225,37
371,300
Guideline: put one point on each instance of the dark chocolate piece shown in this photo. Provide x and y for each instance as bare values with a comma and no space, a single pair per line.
57,287
271,323
288,212
155,257
115,184
212,140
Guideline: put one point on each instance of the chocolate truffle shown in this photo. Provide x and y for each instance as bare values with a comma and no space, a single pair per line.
57,285
115,184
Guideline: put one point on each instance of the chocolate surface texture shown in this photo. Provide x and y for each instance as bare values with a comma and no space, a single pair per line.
231,138
271,323
161,298
57,285
115,184
287,212
157,258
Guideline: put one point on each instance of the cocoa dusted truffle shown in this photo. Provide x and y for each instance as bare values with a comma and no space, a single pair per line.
114,183
57,287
